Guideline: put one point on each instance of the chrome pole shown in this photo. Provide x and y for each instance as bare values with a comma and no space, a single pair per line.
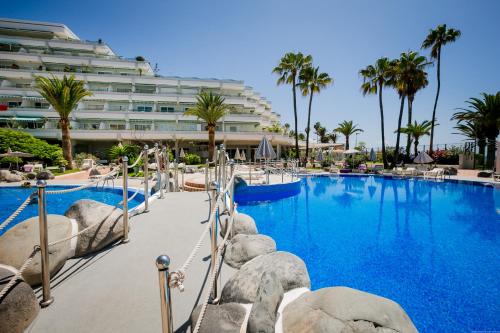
231,188
146,180
158,170
214,189
176,175
215,157
163,263
167,172
207,169
125,199
182,178
44,243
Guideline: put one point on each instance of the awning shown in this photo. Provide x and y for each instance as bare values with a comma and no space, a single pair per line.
35,98
11,96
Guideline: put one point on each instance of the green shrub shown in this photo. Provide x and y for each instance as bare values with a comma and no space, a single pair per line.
115,153
10,160
21,141
83,156
191,159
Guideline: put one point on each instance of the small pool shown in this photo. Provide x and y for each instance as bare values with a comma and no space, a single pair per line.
432,246
12,197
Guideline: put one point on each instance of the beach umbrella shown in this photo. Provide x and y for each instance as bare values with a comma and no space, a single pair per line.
182,154
237,155
351,151
422,158
243,157
373,155
19,154
265,150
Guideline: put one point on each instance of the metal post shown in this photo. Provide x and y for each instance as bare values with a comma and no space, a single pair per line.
125,199
167,172
182,178
146,180
214,187
158,170
44,243
223,167
215,157
231,188
207,169
176,175
250,172
163,263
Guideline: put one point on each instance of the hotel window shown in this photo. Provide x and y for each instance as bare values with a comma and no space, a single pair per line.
41,105
167,109
144,108
116,126
233,129
142,127
14,104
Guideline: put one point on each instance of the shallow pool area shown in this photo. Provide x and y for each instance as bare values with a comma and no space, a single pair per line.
431,246
12,197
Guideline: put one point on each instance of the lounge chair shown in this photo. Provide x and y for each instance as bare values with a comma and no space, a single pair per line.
496,177
410,172
398,171
378,168
333,169
434,173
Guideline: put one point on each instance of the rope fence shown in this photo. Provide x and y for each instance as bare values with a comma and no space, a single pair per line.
17,211
18,275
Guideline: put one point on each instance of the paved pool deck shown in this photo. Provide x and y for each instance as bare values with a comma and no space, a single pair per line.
117,290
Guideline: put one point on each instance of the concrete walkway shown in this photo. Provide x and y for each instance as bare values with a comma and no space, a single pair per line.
117,290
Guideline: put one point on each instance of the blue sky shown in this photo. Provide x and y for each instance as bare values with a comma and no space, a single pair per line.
245,39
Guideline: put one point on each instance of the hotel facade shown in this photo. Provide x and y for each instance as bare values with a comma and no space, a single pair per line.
130,102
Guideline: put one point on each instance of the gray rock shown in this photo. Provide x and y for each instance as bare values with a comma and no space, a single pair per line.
224,318
3,174
262,317
31,175
19,307
109,226
44,175
243,248
289,269
11,177
18,243
242,224
342,309
156,186
94,172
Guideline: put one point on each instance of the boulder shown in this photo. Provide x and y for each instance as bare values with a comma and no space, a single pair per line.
342,309
31,175
94,172
224,318
262,317
44,175
243,248
243,285
3,174
109,227
10,177
19,307
18,242
242,224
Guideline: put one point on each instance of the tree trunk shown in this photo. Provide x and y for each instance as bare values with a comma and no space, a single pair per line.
416,146
436,100
490,157
384,157
211,142
346,142
396,151
66,142
308,129
408,138
295,117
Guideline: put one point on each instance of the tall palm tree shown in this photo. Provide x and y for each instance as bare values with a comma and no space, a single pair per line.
64,95
288,69
210,108
407,75
416,131
435,40
312,81
286,128
375,78
333,136
347,128
485,115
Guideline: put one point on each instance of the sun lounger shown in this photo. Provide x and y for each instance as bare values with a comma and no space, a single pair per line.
398,171
378,168
434,173
333,169
496,177
409,172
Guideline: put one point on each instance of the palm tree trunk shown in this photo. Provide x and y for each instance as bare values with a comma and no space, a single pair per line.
308,125
384,157
416,146
490,158
436,100
211,142
295,118
346,142
408,139
66,142
398,135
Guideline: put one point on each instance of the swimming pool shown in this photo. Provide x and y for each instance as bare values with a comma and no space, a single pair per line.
431,246
12,197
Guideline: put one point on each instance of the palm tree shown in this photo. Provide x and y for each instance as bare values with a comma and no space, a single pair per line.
210,108
435,40
312,81
484,115
119,151
416,131
375,78
286,128
289,67
333,136
347,128
64,95
320,132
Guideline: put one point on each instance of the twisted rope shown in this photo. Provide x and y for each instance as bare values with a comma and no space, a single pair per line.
17,211
18,275
136,161
131,198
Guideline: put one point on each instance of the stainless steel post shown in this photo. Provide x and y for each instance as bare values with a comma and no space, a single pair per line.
250,172
207,169
146,179
214,189
231,187
163,263
176,175
167,172
182,178
158,170
44,244
215,157
125,199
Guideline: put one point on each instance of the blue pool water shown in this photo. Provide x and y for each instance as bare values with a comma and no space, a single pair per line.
433,247
12,197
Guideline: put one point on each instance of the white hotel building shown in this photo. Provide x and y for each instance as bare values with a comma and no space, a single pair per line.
130,103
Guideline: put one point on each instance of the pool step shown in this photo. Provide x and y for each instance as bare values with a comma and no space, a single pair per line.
193,187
